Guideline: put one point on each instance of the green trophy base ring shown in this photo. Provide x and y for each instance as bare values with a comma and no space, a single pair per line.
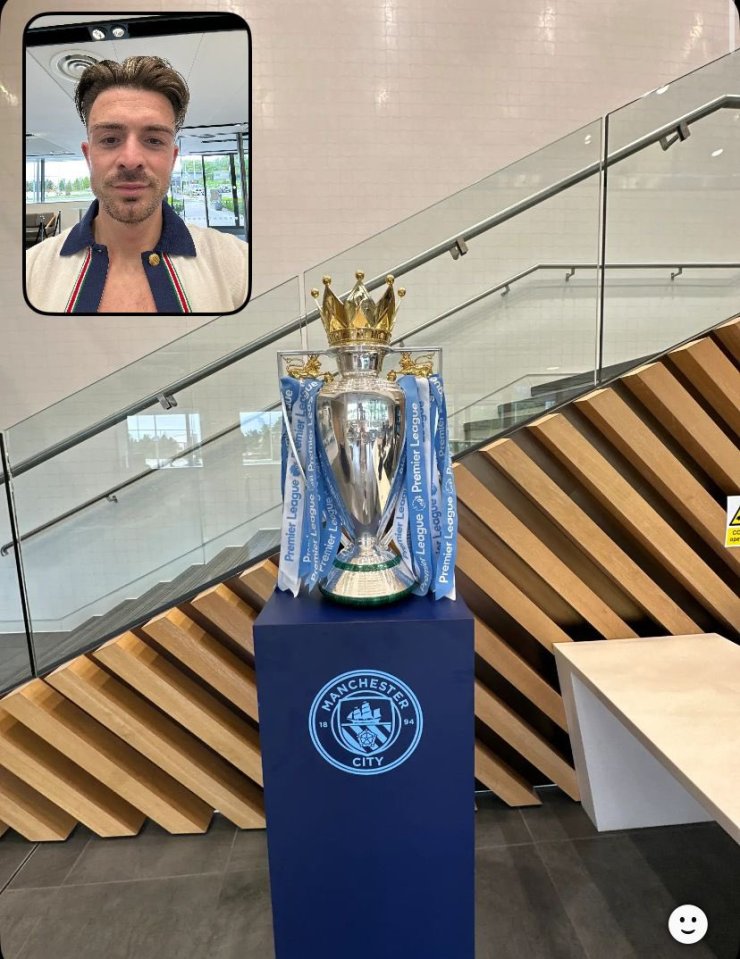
367,577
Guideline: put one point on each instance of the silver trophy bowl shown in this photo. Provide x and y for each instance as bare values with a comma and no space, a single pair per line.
361,425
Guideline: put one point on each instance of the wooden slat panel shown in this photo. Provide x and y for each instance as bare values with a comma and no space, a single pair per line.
32,815
230,615
536,750
682,416
490,647
714,376
53,775
729,336
634,439
538,556
184,700
161,740
637,516
63,725
256,584
205,656
578,526
508,596
501,779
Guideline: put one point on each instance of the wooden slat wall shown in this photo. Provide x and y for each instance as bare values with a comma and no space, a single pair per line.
600,521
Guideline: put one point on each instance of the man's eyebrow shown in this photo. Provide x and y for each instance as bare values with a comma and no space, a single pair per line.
151,127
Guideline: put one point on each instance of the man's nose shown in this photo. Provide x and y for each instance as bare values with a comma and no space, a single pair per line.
130,153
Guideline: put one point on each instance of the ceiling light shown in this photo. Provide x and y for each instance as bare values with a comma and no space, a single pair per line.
97,33
119,31
717,153
587,138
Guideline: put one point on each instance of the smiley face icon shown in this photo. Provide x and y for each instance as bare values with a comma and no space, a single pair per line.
688,924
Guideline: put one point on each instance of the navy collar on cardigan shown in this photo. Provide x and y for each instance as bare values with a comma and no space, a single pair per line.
175,238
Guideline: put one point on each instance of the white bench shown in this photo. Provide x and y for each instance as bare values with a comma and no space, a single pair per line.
655,729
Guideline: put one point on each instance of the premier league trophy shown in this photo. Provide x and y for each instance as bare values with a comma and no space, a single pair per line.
365,459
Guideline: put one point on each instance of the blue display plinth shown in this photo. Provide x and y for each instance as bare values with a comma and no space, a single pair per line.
367,738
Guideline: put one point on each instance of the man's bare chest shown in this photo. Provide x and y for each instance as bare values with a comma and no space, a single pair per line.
126,291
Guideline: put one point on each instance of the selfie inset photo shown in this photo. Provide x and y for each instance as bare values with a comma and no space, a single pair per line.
137,164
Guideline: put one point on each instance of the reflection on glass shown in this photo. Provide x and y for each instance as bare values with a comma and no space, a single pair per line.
261,432
156,439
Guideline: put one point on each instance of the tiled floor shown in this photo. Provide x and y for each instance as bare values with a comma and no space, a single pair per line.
549,887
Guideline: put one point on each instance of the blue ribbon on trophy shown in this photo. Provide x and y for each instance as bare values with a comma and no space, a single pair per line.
365,461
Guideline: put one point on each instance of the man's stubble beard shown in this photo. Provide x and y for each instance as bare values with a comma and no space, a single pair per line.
130,210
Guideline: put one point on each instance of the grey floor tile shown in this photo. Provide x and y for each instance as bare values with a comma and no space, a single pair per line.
14,850
249,852
19,916
519,914
699,864
51,862
154,853
242,925
557,818
497,824
614,895
148,919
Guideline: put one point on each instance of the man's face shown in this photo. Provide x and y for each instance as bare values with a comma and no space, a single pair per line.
131,151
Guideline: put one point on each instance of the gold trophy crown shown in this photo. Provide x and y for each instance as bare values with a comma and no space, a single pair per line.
359,319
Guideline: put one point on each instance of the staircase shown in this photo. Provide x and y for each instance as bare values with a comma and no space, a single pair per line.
594,458
600,521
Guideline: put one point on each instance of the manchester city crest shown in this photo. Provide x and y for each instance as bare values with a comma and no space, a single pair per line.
365,722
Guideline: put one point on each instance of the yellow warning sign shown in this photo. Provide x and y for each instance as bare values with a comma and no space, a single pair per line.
732,533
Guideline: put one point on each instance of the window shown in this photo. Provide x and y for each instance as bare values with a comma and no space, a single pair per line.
66,181
34,173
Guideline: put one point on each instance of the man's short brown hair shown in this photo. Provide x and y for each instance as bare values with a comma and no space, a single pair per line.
143,73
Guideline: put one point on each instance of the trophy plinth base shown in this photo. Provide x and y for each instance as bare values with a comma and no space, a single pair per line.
365,863
367,577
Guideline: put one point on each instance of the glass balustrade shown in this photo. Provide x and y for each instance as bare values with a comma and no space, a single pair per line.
153,373
670,103
560,225
537,282
675,204
528,347
181,494
15,644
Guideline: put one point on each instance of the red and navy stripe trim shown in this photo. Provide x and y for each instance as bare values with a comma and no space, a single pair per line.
75,296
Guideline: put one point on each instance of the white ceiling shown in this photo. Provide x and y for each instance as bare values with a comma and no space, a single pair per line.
201,58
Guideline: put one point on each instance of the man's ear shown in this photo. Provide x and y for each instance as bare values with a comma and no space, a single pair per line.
86,152
176,151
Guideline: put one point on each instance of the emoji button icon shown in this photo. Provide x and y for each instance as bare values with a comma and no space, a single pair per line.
688,924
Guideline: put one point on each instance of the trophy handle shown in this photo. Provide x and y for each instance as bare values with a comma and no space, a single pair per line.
421,365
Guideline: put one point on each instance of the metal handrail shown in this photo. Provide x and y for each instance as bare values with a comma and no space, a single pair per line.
679,125
571,268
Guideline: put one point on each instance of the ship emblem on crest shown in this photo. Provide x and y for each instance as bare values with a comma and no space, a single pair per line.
365,722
